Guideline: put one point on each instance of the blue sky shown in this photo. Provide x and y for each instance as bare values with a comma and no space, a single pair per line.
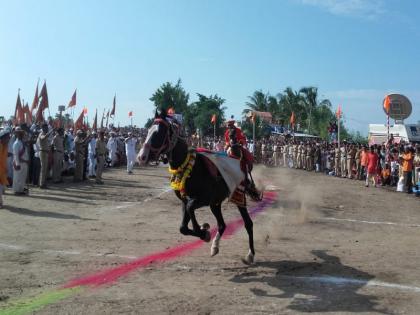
354,51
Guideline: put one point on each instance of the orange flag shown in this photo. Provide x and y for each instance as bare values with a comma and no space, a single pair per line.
36,99
292,119
171,111
72,102
78,124
338,113
112,113
213,119
39,117
387,104
19,111
130,114
253,118
85,112
28,115
95,121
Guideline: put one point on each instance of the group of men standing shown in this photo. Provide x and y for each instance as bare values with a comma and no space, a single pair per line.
32,155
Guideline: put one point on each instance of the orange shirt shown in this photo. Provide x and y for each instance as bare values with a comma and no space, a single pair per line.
3,164
363,158
407,164
386,173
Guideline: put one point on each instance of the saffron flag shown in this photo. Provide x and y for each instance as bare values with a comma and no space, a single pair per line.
213,119
112,113
338,113
43,104
78,124
36,99
171,111
72,102
387,104
28,115
85,111
130,114
292,119
19,111
95,121
253,120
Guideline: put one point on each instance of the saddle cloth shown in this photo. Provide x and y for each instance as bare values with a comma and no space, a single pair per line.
229,168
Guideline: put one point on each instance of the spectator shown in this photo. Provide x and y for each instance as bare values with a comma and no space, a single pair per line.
372,166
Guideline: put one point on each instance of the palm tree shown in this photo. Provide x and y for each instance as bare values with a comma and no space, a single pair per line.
258,102
291,101
310,101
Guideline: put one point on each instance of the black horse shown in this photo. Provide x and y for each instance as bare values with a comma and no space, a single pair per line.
201,187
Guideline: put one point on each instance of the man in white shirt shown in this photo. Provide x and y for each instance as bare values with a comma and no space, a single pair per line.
112,148
20,163
130,151
92,155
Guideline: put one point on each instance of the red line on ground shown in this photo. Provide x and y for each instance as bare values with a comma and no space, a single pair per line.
108,276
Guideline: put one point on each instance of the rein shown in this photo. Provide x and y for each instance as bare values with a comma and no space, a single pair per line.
170,140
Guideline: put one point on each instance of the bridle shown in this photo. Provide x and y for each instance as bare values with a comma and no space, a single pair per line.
170,140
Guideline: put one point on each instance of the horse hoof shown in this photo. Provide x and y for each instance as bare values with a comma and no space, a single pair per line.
214,251
249,259
207,237
205,226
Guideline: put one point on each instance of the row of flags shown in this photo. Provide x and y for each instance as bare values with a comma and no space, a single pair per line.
35,113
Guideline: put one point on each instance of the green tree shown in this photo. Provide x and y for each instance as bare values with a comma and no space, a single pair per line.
199,114
169,95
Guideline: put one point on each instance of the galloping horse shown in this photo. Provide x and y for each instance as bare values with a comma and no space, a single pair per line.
199,187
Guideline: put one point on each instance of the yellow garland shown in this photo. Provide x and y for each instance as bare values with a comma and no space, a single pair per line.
181,174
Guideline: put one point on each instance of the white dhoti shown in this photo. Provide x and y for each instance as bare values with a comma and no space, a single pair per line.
19,178
92,165
131,159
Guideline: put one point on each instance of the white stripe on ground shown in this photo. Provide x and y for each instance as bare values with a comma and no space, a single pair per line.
11,247
372,222
352,281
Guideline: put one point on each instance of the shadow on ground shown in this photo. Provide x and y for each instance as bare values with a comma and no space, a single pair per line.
318,286
45,214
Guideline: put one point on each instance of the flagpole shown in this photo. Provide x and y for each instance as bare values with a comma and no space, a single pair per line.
338,130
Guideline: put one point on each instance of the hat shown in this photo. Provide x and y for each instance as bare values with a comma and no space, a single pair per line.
79,132
4,132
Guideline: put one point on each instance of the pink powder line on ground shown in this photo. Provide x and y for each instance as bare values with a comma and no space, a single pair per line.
108,276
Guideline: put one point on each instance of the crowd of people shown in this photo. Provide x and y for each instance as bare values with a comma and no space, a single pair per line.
38,155
389,164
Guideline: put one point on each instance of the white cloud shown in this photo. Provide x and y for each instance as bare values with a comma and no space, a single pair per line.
369,9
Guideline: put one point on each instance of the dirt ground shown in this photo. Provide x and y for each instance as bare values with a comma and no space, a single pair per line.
327,245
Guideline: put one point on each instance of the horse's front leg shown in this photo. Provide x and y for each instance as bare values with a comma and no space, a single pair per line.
221,226
201,232
249,259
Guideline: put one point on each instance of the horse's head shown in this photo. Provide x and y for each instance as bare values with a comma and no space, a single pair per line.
161,138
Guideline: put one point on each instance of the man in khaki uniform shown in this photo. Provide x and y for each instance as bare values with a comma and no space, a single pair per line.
351,156
358,161
303,156
343,165
100,150
295,155
337,160
44,149
58,147
80,148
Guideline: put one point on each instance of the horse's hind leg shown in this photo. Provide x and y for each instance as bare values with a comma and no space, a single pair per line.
217,212
249,259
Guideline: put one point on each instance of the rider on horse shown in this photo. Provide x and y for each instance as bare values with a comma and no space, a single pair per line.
236,148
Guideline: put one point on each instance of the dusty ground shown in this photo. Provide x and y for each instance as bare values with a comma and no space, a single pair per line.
327,245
